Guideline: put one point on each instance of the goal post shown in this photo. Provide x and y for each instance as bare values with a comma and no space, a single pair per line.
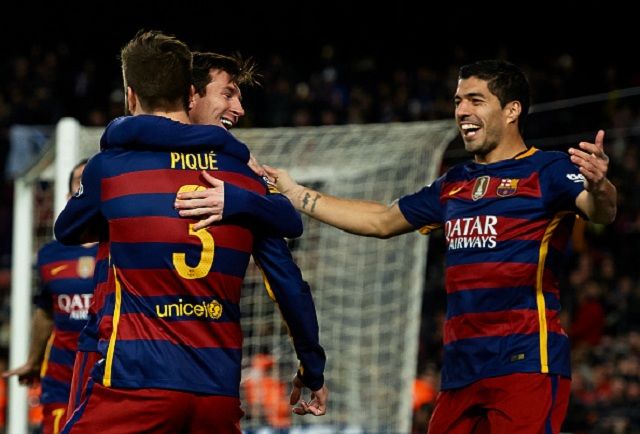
368,292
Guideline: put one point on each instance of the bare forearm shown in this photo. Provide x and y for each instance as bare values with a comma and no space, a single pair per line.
600,205
41,328
360,217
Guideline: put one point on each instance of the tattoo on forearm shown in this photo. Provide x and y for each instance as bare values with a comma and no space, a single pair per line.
305,200
315,199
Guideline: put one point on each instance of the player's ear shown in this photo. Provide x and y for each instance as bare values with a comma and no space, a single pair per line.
512,111
192,95
132,100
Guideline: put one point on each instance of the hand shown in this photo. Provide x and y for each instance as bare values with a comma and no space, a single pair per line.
27,374
255,166
284,182
592,162
208,202
317,406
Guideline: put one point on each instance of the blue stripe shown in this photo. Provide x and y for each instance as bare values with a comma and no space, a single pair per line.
55,252
71,286
54,390
135,304
160,256
162,365
527,208
62,357
469,360
141,205
554,391
65,323
496,300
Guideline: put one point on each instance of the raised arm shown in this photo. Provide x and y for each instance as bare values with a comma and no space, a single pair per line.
273,213
598,201
285,286
360,217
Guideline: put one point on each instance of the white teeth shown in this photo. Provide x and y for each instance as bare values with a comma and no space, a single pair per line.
226,122
469,126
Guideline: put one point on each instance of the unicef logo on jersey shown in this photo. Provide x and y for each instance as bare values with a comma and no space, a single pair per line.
211,310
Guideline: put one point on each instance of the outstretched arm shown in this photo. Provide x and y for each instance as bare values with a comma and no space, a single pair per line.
360,217
599,198
286,287
273,212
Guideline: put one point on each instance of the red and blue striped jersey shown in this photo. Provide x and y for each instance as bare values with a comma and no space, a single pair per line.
506,227
66,289
171,316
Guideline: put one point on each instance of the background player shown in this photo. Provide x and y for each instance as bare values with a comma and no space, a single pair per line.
62,303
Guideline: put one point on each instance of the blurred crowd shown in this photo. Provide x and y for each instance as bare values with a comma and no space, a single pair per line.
601,288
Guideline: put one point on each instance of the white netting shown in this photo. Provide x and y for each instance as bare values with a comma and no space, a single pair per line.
367,292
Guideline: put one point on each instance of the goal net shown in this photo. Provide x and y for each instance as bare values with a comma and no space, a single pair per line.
367,292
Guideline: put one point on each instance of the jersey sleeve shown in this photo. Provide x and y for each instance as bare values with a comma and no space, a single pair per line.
561,182
423,208
273,214
287,288
162,134
81,220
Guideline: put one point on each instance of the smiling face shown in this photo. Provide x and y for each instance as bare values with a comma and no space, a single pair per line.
480,118
221,103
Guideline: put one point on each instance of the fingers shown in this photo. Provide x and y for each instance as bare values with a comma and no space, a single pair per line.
207,222
215,182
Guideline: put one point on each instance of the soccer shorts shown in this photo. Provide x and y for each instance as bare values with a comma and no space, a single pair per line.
53,417
516,403
107,410
84,362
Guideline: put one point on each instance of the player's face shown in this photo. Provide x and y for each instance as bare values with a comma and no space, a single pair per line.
221,104
479,116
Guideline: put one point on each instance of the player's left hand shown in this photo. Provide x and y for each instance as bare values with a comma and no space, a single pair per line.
208,202
592,162
317,406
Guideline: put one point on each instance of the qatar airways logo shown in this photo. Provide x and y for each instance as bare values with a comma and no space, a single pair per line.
472,232
75,305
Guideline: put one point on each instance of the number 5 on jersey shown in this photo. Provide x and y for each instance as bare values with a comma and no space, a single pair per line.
206,257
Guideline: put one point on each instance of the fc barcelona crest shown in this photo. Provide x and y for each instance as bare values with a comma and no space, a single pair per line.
85,267
480,187
507,187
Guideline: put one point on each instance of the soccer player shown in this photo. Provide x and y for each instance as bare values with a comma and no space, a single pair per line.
217,80
507,216
169,329
66,289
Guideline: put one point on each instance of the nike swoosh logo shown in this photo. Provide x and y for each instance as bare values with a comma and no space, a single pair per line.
58,269
454,191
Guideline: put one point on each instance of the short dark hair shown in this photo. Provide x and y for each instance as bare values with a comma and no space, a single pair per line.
242,71
80,163
158,68
505,80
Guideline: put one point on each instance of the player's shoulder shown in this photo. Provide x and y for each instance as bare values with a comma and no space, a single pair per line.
51,251
548,157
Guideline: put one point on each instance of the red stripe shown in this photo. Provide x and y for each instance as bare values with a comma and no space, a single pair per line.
153,282
67,269
66,340
487,275
520,229
194,333
59,372
527,187
487,324
175,230
169,181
